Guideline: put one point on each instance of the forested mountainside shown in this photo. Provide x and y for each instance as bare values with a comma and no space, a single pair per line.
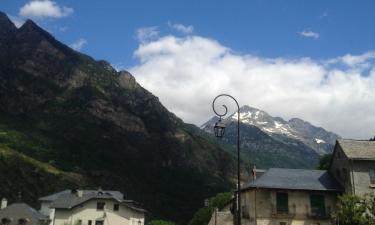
67,120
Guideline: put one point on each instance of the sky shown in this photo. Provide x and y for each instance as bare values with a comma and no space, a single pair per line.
309,59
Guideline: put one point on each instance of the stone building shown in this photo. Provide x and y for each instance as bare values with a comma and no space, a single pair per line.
290,197
353,165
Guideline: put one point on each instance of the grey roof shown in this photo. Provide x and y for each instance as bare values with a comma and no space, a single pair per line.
356,149
69,199
55,196
296,179
17,211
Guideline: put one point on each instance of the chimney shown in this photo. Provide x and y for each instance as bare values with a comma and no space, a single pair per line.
4,203
79,193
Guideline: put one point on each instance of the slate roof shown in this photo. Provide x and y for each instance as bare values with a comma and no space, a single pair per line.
68,199
296,179
17,211
356,149
55,196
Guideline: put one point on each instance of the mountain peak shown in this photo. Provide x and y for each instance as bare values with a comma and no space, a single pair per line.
6,26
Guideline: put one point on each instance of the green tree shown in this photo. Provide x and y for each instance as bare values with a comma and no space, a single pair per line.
203,215
324,162
355,210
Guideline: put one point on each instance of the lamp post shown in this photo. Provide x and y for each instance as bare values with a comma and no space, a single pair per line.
219,130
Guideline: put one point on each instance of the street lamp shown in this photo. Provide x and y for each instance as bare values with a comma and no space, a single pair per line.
219,130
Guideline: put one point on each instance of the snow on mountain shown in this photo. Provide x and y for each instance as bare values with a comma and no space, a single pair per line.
288,132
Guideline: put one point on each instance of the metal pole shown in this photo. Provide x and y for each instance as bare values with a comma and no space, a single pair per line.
238,169
238,199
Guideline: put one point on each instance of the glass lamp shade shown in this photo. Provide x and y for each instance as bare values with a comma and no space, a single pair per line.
219,129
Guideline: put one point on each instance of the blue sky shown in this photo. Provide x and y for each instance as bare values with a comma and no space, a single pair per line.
309,59
268,28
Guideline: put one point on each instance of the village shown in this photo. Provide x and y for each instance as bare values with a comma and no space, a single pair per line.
108,114
277,196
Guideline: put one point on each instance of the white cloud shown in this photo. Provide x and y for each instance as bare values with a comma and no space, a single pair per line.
78,45
187,73
182,28
44,9
355,60
18,22
146,34
309,34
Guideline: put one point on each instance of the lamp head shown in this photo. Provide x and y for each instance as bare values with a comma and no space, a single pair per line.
219,129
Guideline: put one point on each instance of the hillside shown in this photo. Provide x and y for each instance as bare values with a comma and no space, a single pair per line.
66,110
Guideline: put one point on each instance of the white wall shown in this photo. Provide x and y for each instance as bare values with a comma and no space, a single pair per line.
87,211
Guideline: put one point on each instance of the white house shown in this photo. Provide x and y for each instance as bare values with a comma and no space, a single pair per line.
91,207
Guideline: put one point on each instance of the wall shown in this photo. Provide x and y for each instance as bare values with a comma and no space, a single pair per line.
88,211
361,177
264,211
46,210
341,164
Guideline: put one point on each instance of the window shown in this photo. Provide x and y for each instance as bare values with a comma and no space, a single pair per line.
317,205
89,222
371,173
100,206
116,207
282,203
22,221
99,222
283,223
79,222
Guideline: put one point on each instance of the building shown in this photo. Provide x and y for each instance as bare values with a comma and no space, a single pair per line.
20,214
353,165
293,196
290,197
91,207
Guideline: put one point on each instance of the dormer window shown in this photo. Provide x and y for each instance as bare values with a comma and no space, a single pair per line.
100,206
22,221
5,221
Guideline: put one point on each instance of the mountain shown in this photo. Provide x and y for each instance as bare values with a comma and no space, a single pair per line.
274,142
73,121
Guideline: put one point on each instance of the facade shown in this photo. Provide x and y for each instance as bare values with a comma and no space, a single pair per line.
20,214
90,207
290,197
353,165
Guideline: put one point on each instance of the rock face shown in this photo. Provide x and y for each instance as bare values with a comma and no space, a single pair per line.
296,143
81,115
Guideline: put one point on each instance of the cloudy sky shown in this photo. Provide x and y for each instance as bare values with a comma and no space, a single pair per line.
314,59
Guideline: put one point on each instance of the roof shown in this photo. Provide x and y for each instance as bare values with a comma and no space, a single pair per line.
69,199
296,179
17,211
357,149
55,196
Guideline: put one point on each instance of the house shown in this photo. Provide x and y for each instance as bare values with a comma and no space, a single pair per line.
20,214
290,197
353,165
91,207
294,196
